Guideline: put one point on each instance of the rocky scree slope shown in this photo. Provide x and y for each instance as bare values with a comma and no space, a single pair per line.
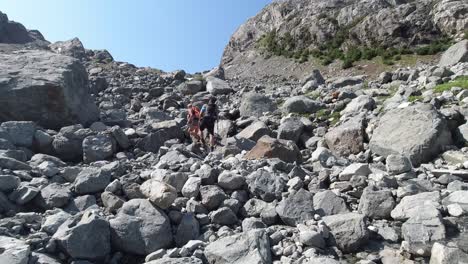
343,170
290,38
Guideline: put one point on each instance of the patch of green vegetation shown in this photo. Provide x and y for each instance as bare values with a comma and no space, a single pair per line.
465,36
313,95
461,82
325,114
414,98
434,47
296,47
335,118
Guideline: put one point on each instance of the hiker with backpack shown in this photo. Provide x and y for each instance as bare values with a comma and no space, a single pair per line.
193,121
209,117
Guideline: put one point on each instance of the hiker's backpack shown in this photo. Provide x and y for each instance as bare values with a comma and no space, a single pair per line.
211,110
194,113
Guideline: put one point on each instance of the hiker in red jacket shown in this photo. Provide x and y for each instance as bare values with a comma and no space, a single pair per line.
193,121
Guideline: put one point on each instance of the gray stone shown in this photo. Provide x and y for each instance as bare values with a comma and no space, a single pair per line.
254,104
184,260
420,232
48,88
159,193
359,104
426,203
291,129
347,138
349,231
217,86
12,164
14,251
398,164
23,194
223,216
296,208
190,87
246,248
111,201
140,228
376,204
271,148
301,104
445,254
266,185
120,137
212,196
21,132
188,229
310,237
230,180
91,180
455,54
99,147
355,169
328,203
8,183
255,131
54,220
53,196
418,132
252,223
73,48
191,187
86,237
457,197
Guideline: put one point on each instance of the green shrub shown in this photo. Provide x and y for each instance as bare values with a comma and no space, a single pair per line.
347,64
414,98
461,82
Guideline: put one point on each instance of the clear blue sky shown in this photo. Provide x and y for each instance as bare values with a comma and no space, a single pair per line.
164,34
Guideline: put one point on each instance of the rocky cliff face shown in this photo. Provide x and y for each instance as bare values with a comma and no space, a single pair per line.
15,33
300,25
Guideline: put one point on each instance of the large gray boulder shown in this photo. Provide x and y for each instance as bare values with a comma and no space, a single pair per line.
455,54
417,131
53,196
270,148
254,104
376,204
347,138
328,203
266,185
427,203
91,180
359,104
21,133
349,231
159,193
45,87
188,229
217,86
98,147
14,251
296,208
291,129
252,247
301,104
87,237
421,232
255,131
140,228
73,48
